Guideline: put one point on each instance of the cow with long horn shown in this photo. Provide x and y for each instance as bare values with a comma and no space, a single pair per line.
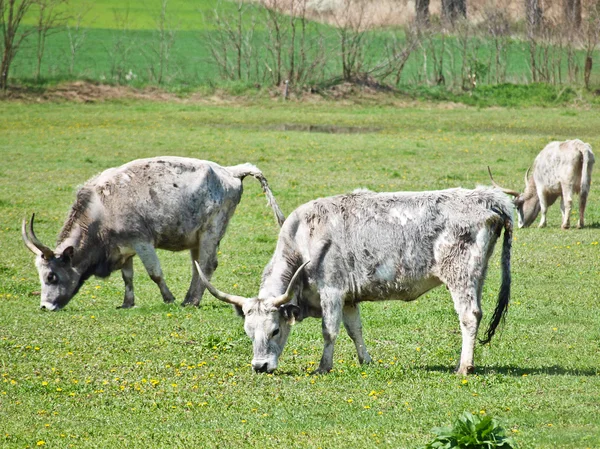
333,253
561,169
172,203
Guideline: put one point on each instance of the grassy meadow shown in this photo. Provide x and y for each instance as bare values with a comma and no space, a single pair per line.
119,41
161,375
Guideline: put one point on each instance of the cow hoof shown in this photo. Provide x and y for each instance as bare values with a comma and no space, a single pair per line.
125,306
463,371
190,302
321,370
565,227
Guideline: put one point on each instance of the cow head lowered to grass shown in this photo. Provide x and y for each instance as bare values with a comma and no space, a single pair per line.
560,170
172,203
333,253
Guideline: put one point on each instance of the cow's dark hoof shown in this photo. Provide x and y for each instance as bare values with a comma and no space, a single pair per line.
126,306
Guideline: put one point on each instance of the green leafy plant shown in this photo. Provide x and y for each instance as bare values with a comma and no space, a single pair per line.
471,432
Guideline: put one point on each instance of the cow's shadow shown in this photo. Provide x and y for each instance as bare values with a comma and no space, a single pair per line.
520,371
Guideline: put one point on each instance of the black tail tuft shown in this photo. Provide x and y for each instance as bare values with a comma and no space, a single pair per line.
504,294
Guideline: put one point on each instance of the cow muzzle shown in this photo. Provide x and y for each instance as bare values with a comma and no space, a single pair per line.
49,306
262,367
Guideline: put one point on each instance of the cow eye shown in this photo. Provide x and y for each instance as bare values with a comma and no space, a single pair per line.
275,332
52,278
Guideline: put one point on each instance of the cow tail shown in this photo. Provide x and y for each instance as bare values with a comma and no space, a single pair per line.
586,170
504,294
243,170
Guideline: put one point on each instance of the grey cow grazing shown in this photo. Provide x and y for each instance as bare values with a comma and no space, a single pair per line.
561,169
172,203
335,252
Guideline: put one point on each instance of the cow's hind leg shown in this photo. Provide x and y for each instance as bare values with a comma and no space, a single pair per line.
206,255
468,307
566,204
331,305
583,196
150,260
127,273
353,325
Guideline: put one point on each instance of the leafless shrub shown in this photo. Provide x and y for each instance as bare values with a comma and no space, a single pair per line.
590,37
11,15
50,20
76,33
231,45
352,25
159,52
497,26
433,49
119,50
397,51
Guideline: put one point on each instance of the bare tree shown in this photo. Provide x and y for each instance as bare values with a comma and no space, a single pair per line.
231,45
277,29
76,34
498,28
352,24
396,55
162,44
121,46
534,18
11,15
591,38
50,20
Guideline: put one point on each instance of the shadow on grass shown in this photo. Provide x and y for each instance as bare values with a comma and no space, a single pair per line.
519,371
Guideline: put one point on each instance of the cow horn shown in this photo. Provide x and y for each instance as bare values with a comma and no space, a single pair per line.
33,243
226,297
507,191
287,296
527,177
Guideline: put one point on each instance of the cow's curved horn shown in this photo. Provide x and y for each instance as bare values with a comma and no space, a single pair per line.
32,242
287,296
226,297
527,177
507,191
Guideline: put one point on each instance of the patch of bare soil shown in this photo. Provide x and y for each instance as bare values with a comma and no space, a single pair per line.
360,91
86,92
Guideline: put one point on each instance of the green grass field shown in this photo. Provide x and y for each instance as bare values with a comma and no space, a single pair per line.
165,376
109,52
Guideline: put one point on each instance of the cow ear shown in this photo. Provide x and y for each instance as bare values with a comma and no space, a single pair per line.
291,313
67,254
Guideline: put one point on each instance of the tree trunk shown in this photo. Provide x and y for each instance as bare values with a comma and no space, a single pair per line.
452,10
422,12
535,14
572,13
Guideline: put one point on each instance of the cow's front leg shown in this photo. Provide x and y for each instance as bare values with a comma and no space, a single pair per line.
127,273
468,308
331,305
152,264
353,325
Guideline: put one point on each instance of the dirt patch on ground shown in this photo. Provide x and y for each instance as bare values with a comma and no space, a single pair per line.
359,92
85,92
